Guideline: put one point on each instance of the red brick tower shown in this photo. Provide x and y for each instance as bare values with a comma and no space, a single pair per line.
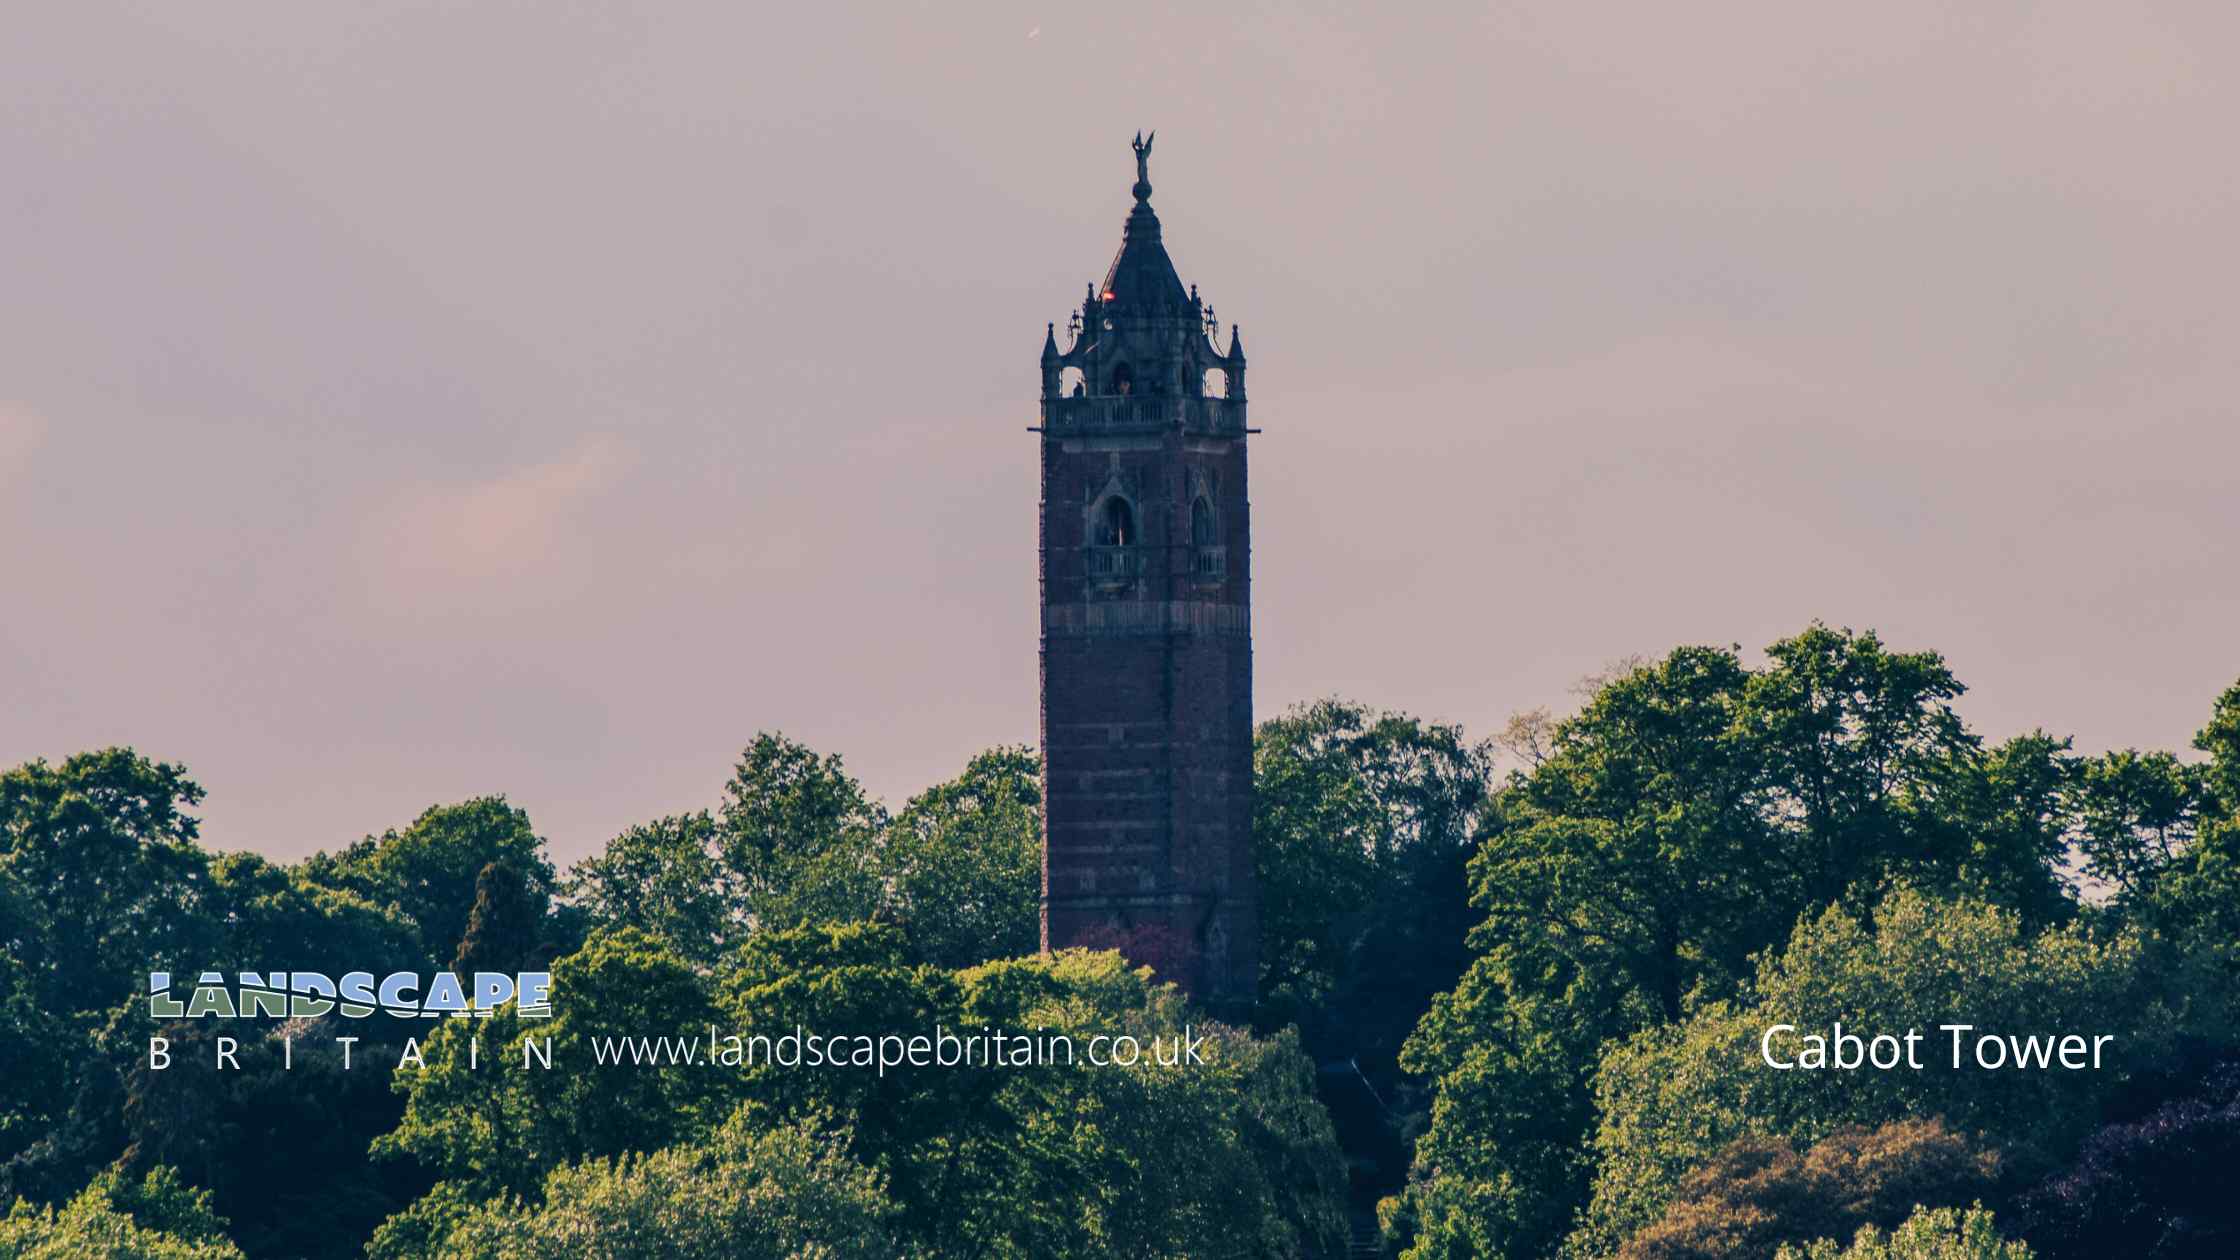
1147,628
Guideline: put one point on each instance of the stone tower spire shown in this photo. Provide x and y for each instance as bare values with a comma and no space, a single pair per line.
1147,628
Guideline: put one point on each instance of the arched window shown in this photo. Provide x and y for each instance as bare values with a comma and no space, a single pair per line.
1116,525
1123,379
1209,560
1070,382
1216,384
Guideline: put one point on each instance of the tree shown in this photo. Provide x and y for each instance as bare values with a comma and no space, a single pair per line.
479,1116
2134,815
155,1218
34,1060
2190,893
799,836
1930,1234
430,869
1760,1193
1362,831
503,928
666,878
2220,739
1869,772
1677,825
276,917
747,1193
277,1143
1227,1157
101,850
2155,1188
1671,1096
962,862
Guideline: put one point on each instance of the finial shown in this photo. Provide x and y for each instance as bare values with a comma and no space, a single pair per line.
1050,342
1142,145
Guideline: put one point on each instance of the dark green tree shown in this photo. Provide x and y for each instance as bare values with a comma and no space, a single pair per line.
1675,827
666,878
962,862
799,836
108,882
482,1116
429,870
505,927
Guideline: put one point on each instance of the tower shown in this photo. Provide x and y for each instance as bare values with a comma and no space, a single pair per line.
1147,628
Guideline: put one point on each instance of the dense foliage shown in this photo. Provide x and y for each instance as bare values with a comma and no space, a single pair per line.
2158,1188
1930,1234
1637,878
1758,1194
1528,1004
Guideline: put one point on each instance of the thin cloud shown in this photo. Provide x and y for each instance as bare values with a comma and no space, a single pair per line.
505,532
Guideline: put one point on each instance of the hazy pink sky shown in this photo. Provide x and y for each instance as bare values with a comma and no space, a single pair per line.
403,402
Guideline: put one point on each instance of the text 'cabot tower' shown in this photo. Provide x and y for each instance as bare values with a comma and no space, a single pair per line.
1147,627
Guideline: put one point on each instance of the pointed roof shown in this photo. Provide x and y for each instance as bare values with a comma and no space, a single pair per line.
1141,274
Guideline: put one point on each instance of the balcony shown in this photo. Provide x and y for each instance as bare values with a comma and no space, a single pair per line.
1211,564
1144,413
1112,564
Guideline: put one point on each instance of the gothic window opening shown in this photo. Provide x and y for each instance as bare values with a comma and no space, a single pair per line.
1123,379
1216,383
1116,525
1112,559
1209,559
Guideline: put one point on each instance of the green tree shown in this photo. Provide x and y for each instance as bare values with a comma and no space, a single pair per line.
108,879
799,836
504,929
2220,739
157,1217
502,1125
1869,772
2190,895
35,1052
1676,826
275,917
744,1194
851,980
1362,830
1671,1096
2133,816
666,878
278,1142
1229,1157
1930,1234
429,870
962,862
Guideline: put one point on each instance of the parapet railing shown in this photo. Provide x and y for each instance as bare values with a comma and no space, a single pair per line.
1086,414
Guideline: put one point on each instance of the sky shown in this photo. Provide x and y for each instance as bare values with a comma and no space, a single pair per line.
407,402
